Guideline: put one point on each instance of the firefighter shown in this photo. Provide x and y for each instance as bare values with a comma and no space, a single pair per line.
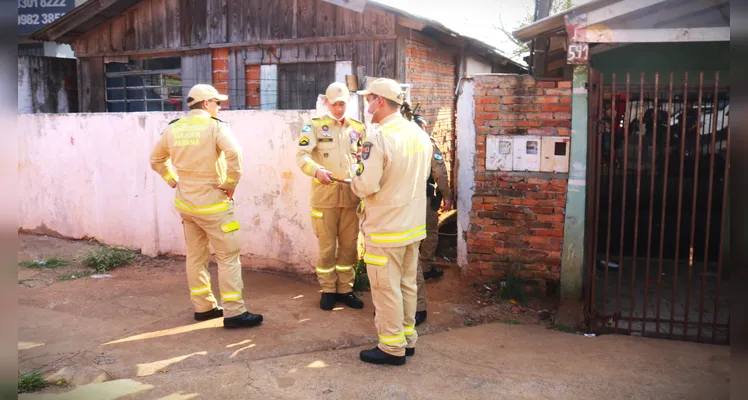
199,157
438,178
391,181
327,149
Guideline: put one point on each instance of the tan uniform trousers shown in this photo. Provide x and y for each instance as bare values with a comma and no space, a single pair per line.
220,230
337,234
392,274
427,252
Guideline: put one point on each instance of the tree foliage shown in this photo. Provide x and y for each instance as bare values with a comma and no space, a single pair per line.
557,6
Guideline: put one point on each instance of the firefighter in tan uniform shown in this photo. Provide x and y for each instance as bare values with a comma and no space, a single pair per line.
391,181
326,151
199,157
438,179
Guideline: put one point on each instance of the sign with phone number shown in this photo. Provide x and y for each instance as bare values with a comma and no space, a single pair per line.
35,14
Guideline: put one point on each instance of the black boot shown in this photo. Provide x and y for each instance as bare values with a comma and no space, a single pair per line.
245,320
327,301
420,317
433,273
214,313
350,300
410,352
377,356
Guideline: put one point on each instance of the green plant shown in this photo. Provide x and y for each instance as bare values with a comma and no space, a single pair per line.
509,321
361,281
512,288
49,263
31,381
470,322
562,328
107,258
73,275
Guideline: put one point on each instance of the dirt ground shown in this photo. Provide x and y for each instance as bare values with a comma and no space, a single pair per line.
132,334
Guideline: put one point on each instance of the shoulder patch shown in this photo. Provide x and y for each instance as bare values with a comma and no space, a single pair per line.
304,141
174,120
360,169
366,150
306,128
438,156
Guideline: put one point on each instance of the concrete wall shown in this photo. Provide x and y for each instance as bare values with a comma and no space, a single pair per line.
88,175
46,85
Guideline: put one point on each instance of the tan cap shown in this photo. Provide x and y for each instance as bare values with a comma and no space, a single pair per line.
386,88
202,92
337,92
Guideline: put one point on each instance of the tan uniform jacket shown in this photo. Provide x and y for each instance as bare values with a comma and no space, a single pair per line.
198,151
439,172
392,183
325,143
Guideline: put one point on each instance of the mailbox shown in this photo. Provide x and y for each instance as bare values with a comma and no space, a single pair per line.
555,154
526,151
499,153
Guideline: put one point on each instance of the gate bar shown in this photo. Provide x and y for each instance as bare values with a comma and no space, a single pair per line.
722,238
693,205
664,202
611,173
653,167
598,170
627,115
638,197
715,108
680,198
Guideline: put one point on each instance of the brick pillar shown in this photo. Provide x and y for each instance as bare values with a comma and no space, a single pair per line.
221,74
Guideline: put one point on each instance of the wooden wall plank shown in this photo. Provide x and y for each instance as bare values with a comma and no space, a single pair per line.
306,21
285,19
238,13
105,42
92,96
172,23
384,58
196,68
237,80
130,39
117,35
216,23
159,33
198,21
256,26
325,18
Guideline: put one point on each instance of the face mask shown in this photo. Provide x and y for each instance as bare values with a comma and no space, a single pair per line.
371,114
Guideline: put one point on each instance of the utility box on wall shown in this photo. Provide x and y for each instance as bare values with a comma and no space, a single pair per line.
554,154
499,153
526,153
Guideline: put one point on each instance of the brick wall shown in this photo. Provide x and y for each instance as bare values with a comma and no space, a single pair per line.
431,72
252,79
221,73
517,218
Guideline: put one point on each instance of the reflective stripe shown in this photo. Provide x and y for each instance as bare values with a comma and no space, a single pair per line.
409,330
230,180
316,213
200,290
169,176
376,260
325,270
308,167
231,295
215,208
393,339
344,268
230,227
317,182
322,122
399,236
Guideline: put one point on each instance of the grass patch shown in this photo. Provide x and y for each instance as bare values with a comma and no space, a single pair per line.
73,275
470,322
512,287
31,382
361,280
107,258
49,263
23,281
509,321
562,328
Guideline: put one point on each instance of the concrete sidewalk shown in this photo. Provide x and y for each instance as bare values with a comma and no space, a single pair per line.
132,336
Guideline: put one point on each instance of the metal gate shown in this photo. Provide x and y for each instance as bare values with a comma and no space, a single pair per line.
657,210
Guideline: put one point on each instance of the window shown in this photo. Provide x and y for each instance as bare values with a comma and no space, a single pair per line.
153,84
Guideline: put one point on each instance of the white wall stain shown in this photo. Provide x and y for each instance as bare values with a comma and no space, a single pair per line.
466,168
96,188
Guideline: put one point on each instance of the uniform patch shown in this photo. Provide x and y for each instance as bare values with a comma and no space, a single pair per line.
438,156
354,136
325,128
366,150
326,134
304,141
360,169
327,155
306,128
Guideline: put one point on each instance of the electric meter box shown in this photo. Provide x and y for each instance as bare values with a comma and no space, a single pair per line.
499,153
555,154
526,153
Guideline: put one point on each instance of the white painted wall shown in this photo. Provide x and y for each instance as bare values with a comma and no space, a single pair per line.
465,167
474,66
88,175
